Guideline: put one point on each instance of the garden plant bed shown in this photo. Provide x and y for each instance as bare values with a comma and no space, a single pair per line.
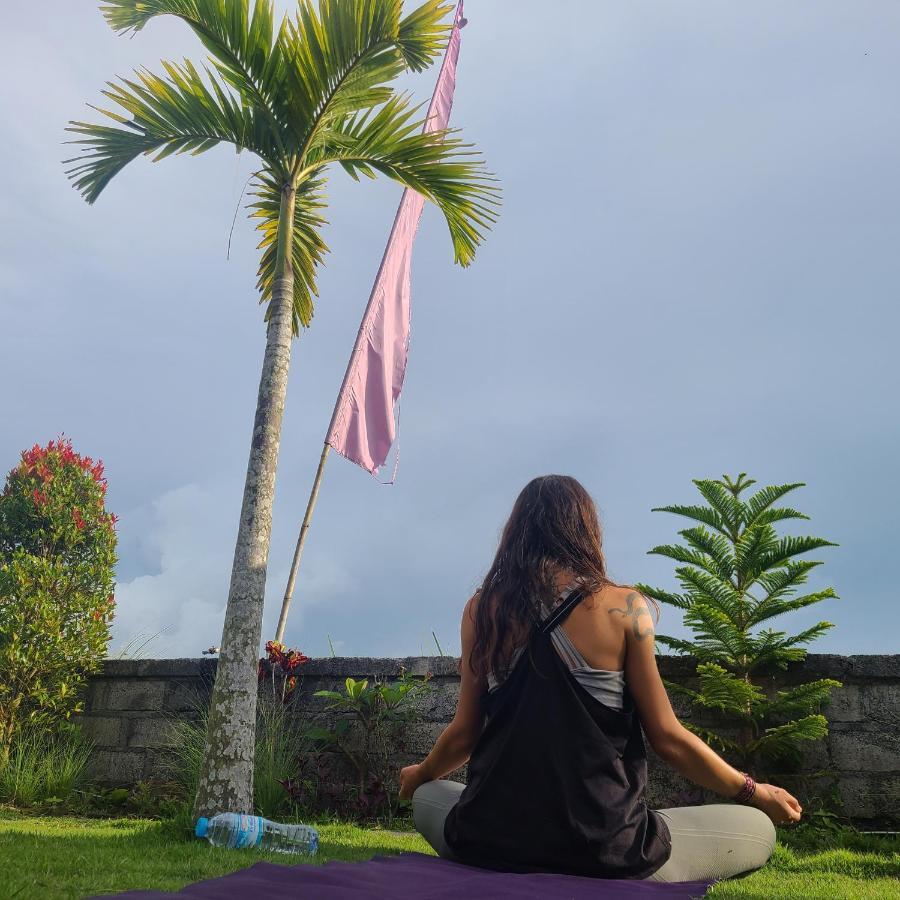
68,857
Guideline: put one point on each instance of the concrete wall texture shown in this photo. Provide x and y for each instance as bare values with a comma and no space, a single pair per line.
131,705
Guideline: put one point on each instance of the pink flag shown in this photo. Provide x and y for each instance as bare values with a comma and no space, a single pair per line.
362,427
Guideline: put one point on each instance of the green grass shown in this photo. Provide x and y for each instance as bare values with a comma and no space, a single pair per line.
67,857
814,866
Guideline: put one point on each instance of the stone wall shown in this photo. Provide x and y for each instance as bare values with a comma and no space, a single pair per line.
132,704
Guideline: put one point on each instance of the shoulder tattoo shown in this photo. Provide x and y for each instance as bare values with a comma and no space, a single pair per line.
635,615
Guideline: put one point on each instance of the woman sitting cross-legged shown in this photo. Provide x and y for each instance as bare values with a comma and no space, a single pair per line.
558,679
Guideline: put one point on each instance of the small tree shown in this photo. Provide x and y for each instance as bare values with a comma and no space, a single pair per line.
736,573
57,555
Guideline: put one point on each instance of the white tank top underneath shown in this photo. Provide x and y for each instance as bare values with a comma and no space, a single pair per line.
605,685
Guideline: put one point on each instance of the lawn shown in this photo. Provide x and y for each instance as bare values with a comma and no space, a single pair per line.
56,857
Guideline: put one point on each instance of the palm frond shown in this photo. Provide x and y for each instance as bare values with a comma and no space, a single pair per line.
308,248
436,164
245,48
342,57
421,35
180,113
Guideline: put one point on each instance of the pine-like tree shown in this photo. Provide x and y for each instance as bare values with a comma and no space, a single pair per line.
735,574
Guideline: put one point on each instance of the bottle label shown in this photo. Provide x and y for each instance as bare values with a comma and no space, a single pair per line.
249,832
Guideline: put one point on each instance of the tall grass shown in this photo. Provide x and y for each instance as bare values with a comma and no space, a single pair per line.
44,767
279,744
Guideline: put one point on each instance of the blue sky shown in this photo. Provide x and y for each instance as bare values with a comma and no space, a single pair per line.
695,272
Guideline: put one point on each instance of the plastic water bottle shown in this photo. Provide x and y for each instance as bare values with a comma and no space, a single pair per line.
235,830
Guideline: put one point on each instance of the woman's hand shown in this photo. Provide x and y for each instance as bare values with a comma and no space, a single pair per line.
411,778
780,806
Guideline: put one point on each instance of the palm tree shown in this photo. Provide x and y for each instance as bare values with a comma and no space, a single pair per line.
310,93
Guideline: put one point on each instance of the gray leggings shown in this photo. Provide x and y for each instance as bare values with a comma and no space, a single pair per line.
717,840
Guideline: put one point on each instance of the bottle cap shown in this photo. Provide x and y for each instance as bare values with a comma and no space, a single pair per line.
202,825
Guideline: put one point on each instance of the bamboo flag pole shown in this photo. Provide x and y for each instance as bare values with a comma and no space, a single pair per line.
392,273
298,550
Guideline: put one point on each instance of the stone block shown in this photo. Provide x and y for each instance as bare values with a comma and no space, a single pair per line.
104,731
131,694
865,751
148,732
188,696
117,768
871,796
845,705
881,704
419,738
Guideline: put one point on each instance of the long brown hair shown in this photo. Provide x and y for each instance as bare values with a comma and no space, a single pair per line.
553,527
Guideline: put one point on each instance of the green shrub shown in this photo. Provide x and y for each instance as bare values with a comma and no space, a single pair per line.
370,730
736,573
39,768
57,553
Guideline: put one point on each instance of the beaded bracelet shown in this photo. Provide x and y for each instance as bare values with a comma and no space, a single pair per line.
745,794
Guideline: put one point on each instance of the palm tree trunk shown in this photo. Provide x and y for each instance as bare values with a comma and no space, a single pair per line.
226,773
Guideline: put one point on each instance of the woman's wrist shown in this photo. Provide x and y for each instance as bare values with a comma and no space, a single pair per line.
746,792
425,773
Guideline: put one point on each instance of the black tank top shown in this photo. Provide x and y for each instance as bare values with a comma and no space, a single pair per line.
557,778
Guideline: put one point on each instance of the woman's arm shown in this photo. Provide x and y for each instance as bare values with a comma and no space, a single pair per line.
455,743
671,741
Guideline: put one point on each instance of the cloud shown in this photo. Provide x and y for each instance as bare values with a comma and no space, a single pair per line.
186,539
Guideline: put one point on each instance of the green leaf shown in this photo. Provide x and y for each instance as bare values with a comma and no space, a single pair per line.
727,506
769,608
308,247
329,695
763,499
713,591
791,546
749,552
721,689
699,513
803,697
679,645
781,742
713,739
662,596
715,546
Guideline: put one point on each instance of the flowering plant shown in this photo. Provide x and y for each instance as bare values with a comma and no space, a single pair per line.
284,662
57,558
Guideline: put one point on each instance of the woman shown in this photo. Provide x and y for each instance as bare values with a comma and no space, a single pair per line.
558,679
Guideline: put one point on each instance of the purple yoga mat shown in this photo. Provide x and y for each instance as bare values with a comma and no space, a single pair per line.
415,876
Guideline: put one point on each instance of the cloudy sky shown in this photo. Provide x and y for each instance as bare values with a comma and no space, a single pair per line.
695,272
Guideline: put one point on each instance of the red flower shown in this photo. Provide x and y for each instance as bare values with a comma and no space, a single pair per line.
294,660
